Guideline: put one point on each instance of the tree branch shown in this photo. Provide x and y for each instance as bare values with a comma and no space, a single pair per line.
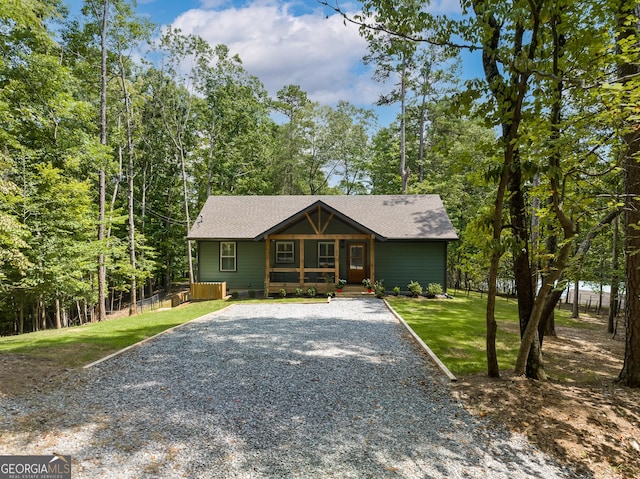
377,27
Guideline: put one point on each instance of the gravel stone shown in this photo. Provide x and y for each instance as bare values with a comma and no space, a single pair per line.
275,390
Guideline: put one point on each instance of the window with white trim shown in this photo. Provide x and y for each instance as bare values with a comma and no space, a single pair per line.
326,254
227,256
284,252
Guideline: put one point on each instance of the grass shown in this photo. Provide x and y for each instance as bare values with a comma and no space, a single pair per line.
80,345
455,329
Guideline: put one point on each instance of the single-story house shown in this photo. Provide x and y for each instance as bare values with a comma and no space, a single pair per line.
274,242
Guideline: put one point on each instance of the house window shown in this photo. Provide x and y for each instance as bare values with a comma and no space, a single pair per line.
326,254
227,256
284,252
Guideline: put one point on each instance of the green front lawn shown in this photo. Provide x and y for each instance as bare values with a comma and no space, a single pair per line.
455,329
80,345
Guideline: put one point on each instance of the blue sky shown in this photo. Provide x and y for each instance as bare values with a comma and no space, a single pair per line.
282,42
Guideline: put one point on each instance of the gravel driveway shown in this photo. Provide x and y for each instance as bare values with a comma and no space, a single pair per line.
275,390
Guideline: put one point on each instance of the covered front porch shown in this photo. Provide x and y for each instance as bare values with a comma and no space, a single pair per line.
318,261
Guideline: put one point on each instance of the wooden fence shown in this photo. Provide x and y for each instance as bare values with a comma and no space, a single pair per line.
204,291
179,298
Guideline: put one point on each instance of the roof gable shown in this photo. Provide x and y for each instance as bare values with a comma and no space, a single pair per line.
317,206
389,217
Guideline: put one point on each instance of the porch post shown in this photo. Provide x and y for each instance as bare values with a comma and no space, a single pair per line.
372,258
267,267
336,249
301,278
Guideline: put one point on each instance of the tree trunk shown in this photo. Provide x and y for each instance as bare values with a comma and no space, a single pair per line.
404,172
535,232
521,263
21,315
630,374
130,149
628,29
102,269
575,307
79,313
509,89
615,281
186,213
530,336
58,314
143,211
423,120
42,314
493,371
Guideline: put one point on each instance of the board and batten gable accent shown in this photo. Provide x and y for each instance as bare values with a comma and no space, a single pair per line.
331,224
398,262
250,257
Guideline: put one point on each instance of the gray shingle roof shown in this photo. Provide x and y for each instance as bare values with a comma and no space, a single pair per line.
399,217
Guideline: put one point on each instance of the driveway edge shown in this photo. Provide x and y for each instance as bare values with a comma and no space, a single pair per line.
422,344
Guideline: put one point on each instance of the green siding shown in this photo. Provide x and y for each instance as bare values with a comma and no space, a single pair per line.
250,262
398,263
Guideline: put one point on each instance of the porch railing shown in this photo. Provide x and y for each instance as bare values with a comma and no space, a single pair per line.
322,279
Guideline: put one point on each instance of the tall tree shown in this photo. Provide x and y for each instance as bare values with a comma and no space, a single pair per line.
293,141
130,32
393,55
345,146
628,27
47,140
179,106
524,47
239,130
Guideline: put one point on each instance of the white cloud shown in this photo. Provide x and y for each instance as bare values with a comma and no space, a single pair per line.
313,49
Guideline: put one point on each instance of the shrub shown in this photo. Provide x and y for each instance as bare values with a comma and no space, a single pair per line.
311,291
378,288
434,289
415,288
396,290
298,292
283,293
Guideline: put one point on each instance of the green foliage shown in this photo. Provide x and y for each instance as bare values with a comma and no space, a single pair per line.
298,292
283,293
414,288
311,291
378,288
434,289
